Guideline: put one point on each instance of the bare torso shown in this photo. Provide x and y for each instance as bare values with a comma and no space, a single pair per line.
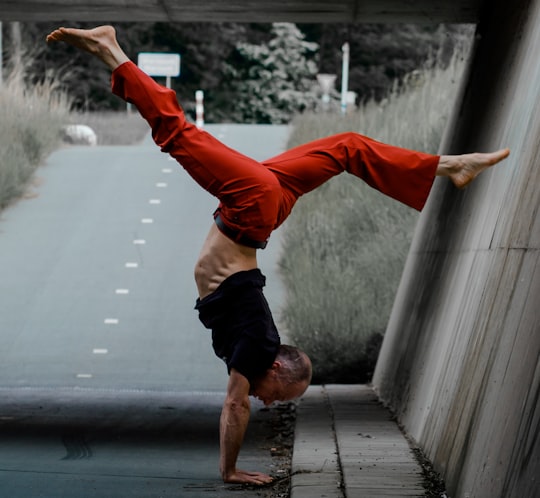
220,257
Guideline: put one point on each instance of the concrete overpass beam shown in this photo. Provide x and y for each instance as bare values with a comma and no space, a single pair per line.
312,11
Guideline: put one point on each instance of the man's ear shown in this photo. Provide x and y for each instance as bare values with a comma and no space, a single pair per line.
276,365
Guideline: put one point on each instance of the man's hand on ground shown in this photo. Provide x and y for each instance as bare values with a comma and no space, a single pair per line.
244,477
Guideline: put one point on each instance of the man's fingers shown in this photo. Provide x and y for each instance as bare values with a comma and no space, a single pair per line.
262,479
245,477
258,478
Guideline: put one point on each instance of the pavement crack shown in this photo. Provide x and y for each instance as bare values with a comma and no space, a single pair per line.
326,397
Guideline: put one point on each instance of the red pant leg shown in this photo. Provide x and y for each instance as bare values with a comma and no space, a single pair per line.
403,174
250,194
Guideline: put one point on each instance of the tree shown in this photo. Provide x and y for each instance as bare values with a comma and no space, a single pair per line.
275,80
221,59
381,54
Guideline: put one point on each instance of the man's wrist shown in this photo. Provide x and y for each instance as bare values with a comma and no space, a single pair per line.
226,475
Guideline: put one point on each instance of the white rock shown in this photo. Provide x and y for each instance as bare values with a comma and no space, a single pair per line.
80,135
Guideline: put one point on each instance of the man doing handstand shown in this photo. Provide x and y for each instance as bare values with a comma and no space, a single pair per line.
254,199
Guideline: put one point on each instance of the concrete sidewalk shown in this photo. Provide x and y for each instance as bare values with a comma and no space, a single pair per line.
347,446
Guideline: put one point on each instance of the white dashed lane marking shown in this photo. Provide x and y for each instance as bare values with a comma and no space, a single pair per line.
131,265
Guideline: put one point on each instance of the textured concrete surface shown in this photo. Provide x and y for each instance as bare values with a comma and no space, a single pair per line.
348,445
459,363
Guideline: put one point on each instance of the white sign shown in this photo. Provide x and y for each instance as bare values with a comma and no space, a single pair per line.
159,64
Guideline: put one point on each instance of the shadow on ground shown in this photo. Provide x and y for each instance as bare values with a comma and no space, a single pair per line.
133,443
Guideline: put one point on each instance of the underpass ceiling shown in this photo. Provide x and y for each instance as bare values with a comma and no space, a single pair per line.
413,11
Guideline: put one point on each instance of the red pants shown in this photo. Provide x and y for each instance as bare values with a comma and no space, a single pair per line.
255,198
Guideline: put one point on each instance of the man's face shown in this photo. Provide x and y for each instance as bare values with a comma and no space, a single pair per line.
270,388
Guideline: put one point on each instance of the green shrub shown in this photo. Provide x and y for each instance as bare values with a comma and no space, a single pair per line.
345,244
31,120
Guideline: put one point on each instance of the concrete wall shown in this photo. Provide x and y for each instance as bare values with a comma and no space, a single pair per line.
460,361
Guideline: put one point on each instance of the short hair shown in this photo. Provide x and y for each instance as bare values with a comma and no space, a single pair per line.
296,364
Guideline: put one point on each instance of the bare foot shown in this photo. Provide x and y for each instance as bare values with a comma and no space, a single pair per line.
464,168
100,42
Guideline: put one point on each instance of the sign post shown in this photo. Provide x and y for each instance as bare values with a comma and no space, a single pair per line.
345,77
199,108
160,64
1,57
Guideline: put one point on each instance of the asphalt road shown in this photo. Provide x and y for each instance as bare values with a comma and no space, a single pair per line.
108,383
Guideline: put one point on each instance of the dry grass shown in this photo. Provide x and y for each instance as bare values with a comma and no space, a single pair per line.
30,127
345,244
32,123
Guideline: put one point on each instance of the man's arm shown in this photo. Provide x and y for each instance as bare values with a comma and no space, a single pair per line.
232,427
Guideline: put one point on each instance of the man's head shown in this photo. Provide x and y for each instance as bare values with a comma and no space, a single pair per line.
287,378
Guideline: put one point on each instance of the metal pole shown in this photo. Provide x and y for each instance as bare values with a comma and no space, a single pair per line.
199,108
345,78
1,57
